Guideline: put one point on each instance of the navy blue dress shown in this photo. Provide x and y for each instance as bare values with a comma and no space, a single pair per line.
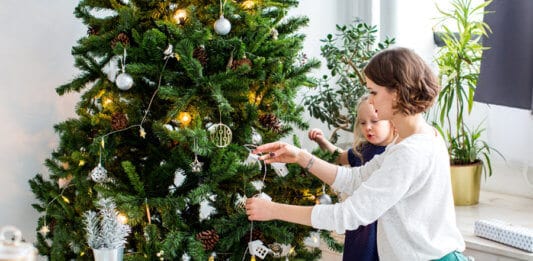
361,244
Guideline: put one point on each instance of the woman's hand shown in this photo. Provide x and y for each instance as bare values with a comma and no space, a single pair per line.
278,152
259,209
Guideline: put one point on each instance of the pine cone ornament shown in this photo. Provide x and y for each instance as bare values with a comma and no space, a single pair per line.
240,62
92,31
256,235
209,238
121,37
119,121
271,122
201,55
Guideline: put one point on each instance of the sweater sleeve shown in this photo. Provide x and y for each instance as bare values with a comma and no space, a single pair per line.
388,179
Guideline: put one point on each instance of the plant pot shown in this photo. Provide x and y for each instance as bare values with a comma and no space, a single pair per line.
108,254
466,181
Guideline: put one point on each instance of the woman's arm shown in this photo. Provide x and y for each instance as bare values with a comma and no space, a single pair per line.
283,152
264,210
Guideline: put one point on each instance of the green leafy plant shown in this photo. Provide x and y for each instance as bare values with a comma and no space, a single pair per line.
459,64
346,53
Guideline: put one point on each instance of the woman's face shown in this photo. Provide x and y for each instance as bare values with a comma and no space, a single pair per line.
376,131
382,99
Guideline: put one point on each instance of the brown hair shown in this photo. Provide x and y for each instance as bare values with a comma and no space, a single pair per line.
402,70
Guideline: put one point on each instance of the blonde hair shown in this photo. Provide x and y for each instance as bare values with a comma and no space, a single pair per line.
359,140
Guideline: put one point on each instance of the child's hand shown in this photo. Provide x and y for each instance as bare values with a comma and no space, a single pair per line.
316,135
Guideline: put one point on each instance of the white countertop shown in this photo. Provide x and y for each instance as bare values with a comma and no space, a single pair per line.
511,209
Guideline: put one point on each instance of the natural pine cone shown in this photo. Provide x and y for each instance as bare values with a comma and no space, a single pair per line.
271,122
209,238
201,55
256,234
121,37
92,31
240,62
119,121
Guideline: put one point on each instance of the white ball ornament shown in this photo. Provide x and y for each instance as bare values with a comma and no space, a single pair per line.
124,81
222,26
99,174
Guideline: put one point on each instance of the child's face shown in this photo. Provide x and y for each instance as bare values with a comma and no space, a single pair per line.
375,131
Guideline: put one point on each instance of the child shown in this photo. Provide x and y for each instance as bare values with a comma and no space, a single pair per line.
407,187
371,135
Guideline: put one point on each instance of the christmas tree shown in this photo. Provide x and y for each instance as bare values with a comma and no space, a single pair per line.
174,96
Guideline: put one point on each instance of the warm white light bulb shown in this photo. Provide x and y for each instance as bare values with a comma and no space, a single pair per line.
180,16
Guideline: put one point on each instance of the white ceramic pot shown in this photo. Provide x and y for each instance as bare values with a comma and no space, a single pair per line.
108,254
11,247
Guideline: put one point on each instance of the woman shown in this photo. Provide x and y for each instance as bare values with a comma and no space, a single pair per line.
407,188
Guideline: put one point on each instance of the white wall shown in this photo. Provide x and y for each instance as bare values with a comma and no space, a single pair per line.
34,59
37,37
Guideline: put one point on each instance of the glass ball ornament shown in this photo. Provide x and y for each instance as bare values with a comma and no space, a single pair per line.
124,81
99,174
222,26
324,199
257,139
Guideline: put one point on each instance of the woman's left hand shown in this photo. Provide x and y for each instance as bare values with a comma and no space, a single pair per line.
259,209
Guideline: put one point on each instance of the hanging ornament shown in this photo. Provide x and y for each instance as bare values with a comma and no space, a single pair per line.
271,122
280,250
196,165
241,62
274,33
222,25
92,31
240,203
257,248
209,238
120,38
324,199
63,182
124,81
44,230
119,121
99,174
220,134
200,54
280,168
169,52
257,139
212,257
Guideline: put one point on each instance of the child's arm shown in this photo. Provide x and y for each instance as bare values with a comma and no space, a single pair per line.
317,136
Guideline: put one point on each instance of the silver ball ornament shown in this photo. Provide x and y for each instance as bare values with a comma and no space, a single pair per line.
257,139
124,81
99,174
324,199
222,26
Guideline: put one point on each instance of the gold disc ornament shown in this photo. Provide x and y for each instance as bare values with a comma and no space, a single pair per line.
220,134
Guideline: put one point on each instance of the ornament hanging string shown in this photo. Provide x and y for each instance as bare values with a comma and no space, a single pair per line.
249,147
140,125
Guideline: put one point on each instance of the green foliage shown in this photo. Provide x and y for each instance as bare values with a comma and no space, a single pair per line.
459,63
233,79
347,52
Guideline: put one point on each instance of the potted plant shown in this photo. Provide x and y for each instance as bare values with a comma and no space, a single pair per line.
346,52
461,30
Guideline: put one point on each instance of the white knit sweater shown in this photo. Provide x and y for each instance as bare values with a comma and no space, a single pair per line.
407,189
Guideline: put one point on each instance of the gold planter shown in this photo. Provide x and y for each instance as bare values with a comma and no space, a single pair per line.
466,181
